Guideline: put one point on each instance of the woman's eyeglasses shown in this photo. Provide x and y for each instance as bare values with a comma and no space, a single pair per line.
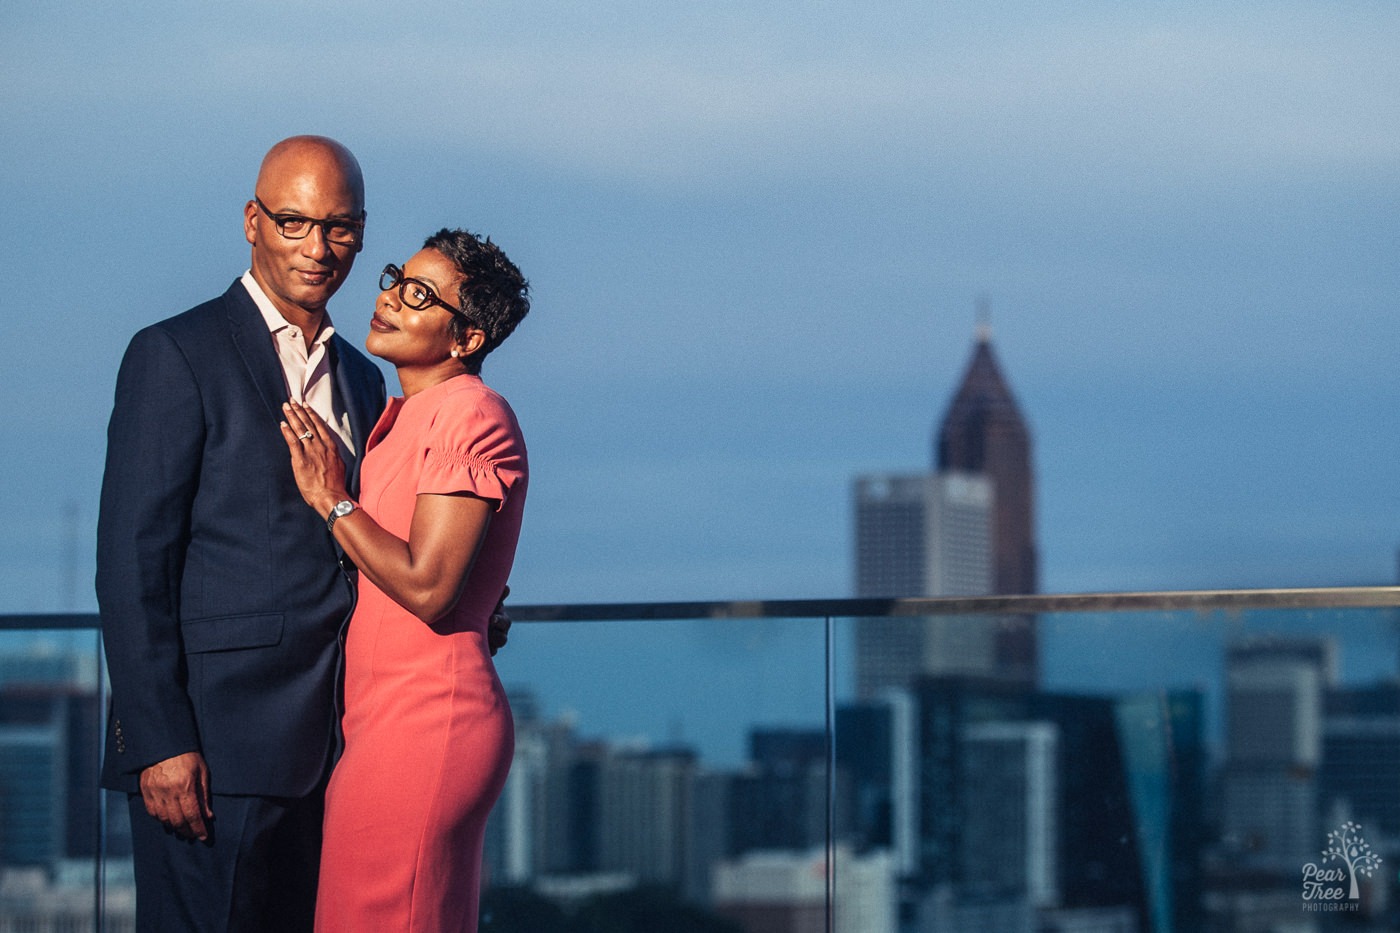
413,293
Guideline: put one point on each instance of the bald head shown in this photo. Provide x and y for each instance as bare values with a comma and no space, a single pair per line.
321,156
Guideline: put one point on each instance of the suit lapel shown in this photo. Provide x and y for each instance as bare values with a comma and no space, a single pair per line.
354,385
361,399
250,336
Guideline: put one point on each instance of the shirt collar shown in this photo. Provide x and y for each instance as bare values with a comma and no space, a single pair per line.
273,318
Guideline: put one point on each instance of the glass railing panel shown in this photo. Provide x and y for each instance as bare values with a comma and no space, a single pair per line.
1159,771
650,756
51,812
1151,768
664,772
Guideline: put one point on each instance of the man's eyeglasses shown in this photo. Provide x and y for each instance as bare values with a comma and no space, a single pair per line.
297,227
412,292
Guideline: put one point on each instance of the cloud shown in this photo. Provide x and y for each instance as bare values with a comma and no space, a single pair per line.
1109,97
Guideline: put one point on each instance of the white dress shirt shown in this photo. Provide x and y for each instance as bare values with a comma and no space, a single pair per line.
306,374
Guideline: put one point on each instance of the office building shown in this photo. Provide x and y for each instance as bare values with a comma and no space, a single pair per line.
967,528
1011,835
49,730
1275,689
645,815
1162,737
785,892
922,535
876,758
780,800
1359,778
984,432
983,743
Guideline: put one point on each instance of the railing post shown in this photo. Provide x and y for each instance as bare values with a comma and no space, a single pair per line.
830,713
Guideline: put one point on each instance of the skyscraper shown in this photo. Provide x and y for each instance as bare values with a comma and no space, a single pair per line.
1003,768
1359,778
877,758
49,723
983,432
780,801
1275,693
964,529
1011,810
922,535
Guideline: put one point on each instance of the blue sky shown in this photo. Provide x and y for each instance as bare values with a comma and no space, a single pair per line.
756,235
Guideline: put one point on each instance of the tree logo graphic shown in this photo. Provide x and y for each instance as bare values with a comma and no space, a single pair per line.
1323,885
1346,845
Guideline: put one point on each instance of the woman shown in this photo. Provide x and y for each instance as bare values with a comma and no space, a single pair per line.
428,733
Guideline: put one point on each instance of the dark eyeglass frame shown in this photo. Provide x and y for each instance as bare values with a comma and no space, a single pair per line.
393,277
354,228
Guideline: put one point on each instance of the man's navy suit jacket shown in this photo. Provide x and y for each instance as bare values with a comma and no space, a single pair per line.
221,593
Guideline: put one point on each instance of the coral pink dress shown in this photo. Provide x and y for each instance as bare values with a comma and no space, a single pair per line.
428,732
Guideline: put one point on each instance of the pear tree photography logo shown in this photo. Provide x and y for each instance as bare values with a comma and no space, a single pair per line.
1334,885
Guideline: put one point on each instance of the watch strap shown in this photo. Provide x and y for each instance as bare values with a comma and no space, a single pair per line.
342,508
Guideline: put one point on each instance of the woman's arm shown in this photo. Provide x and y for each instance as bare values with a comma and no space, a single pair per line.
424,574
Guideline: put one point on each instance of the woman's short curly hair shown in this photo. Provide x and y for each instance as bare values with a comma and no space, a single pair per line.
494,296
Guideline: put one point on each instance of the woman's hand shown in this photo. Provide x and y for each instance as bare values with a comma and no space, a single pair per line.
320,474
424,574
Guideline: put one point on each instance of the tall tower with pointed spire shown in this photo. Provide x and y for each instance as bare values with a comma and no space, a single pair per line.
983,432
965,528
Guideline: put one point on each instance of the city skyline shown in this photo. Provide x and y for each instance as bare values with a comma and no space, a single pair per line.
590,813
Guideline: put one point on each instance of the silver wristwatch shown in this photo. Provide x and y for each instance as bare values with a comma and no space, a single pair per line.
342,508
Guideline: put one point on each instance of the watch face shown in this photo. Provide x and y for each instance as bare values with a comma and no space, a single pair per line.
342,508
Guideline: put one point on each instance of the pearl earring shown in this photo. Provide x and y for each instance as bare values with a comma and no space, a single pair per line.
456,353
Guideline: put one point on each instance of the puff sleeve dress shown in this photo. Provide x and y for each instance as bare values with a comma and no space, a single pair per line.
428,732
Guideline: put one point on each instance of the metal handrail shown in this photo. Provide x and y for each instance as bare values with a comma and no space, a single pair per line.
1339,597
1358,597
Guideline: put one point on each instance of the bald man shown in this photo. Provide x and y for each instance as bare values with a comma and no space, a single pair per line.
222,596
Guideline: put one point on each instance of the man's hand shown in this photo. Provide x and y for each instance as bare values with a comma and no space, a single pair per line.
176,792
498,631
